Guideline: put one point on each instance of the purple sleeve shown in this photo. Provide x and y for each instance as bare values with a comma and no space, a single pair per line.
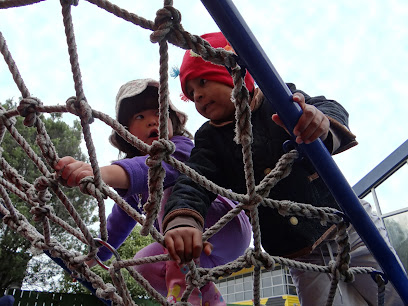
119,224
137,169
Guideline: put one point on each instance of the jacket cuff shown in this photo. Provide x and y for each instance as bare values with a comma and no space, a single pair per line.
183,222
342,138
183,217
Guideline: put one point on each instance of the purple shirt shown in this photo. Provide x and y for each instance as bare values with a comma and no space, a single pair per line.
119,223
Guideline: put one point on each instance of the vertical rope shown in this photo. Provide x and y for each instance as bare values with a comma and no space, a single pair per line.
156,171
381,289
340,267
243,132
82,106
13,67
257,285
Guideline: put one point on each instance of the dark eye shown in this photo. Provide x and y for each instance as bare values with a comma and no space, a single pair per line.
203,81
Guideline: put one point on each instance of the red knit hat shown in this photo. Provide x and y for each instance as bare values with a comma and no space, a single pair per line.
193,66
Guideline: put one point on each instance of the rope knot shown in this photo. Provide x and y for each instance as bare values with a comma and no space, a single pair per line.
252,201
6,121
87,186
40,212
41,183
167,20
10,219
28,109
80,109
340,272
107,292
267,261
348,276
159,150
250,257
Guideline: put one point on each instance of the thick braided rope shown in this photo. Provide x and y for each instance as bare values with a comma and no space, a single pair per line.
17,3
166,28
156,173
381,289
13,67
11,210
81,105
48,150
243,132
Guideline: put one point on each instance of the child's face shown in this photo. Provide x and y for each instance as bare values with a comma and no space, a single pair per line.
145,126
212,99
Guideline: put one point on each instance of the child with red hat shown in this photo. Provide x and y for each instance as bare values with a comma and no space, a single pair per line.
219,158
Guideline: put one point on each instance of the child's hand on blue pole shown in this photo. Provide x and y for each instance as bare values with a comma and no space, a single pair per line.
312,124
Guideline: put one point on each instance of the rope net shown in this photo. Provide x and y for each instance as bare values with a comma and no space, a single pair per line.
166,28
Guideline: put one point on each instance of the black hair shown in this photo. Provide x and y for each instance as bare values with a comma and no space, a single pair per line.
133,105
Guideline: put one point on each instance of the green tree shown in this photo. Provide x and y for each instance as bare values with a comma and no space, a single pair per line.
398,234
15,256
39,272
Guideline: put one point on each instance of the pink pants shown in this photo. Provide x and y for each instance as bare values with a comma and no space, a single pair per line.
229,243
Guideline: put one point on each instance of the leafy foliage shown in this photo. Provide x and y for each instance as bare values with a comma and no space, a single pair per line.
128,249
39,272
14,252
397,234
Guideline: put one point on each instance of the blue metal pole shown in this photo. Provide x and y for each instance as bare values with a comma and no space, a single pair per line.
85,283
231,23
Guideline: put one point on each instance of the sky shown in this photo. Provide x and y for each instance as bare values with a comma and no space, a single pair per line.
355,52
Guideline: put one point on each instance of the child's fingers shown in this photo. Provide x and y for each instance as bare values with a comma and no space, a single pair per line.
69,168
197,244
305,120
306,127
74,171
312,124
317,128
184,244
187,252
75,177
193,244
299,99
321,130
179,248
208,247
171,249
69,172
91,263
63,162
277,120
